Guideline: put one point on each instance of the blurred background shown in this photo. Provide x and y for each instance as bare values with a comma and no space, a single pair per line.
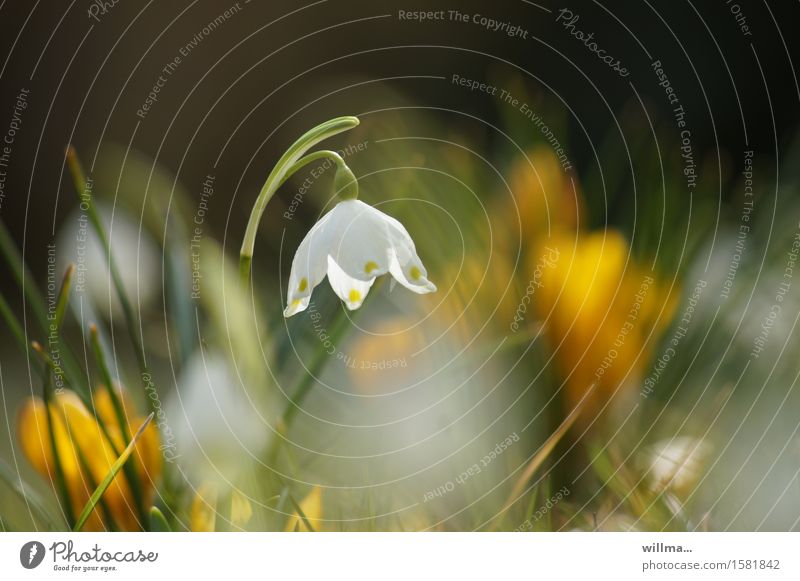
612,345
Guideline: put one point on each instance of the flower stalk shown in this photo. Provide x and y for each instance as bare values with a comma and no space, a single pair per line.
289,163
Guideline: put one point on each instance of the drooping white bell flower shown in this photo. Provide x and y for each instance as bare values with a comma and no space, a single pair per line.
353,244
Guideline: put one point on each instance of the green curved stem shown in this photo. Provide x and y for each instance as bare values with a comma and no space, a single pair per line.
311,157
282,170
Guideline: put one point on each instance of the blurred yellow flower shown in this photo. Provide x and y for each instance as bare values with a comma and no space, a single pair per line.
545,196
603,313
311,506
203,513
78,437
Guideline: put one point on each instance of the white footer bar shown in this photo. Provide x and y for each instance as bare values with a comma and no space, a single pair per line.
387,556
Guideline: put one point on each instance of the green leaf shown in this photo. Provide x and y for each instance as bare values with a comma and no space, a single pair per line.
61,480
119,412
108,517
87,199
115,468
32,500
63,296
538,459
158,522
36,300
301,514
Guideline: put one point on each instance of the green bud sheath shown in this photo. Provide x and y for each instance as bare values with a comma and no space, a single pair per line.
344,183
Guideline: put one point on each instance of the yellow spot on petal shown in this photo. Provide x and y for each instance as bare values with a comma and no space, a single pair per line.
303,285
415,273
295,302
354,296
370,266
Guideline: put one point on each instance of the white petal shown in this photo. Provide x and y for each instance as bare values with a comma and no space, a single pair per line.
295,306
405,265
351,290
309,265
361,240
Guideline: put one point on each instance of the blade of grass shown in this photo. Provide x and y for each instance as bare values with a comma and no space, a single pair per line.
39,350
105,375
24,279
158,522
300,513
15,327
115,468
122,420
283,498
63,296
621,482
47,393
547,494
539,458
31,499
542,455
108,518
532,504
87,200
61,481
286,495
34,297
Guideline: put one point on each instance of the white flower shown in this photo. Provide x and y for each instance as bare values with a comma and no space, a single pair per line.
131,246
353,244
677,463
213,423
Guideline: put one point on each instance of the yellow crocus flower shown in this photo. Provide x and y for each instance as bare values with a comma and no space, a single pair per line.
78,439
603,313
603,310
545,196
